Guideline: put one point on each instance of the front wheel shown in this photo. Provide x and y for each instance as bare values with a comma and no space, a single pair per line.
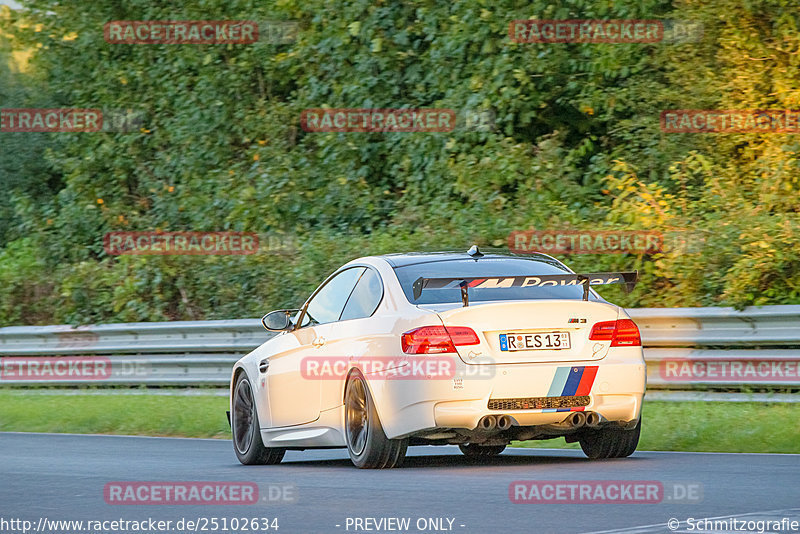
481,451
247,443
367,443
610,442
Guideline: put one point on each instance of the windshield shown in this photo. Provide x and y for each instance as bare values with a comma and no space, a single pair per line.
487,267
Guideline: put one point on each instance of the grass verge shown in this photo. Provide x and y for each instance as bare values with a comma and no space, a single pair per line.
711,427
196,416
668,426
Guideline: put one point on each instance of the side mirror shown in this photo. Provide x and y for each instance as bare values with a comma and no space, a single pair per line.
278,321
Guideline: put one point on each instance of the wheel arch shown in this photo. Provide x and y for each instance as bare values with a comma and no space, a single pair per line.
238,370
242,368
353,371
377,396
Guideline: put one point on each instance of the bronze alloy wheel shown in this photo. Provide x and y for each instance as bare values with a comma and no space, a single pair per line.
367,443
356,416
243,420
246,430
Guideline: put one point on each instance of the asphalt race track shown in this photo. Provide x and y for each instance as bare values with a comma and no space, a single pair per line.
62,477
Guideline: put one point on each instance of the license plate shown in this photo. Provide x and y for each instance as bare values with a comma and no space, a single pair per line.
540,341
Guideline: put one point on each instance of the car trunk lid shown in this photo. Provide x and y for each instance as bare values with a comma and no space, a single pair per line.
531,331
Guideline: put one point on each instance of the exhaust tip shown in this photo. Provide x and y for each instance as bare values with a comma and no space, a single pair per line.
577,419
487,422
593,419
503,422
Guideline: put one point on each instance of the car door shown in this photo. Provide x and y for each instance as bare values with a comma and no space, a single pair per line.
359,333
293,398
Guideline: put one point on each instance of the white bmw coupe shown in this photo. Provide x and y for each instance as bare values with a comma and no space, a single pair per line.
470,349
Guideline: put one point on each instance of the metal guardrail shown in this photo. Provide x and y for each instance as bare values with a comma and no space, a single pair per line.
685,348
688,348
688,327
237,336
180,353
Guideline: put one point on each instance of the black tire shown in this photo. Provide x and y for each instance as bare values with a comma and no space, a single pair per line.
610,442
473,450
367,443
245,430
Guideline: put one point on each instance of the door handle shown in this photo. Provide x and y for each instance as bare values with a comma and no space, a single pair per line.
318,342
263,365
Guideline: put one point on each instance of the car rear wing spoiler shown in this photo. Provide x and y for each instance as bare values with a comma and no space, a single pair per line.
534,280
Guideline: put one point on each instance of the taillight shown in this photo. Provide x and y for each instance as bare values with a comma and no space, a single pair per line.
462,335
603,331
621,333
437,339
626,334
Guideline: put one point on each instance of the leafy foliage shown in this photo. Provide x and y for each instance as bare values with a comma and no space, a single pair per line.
576,144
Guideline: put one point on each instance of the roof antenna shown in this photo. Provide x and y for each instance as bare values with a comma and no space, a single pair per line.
474,252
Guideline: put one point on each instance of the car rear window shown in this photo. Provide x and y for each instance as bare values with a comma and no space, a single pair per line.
485,267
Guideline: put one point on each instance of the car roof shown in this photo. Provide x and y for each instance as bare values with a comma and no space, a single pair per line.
414,258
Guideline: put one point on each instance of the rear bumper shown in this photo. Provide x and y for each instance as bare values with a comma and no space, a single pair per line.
615,387
466,414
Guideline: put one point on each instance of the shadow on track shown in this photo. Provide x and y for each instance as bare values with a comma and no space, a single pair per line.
457,461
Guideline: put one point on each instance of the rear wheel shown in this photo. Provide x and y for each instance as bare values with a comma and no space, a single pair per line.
483,451
610,442
367,443
247,443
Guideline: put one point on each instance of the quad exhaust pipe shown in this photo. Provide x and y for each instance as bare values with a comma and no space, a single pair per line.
487,422
576,419
503,422
593,419
492,422
574,422
579,419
